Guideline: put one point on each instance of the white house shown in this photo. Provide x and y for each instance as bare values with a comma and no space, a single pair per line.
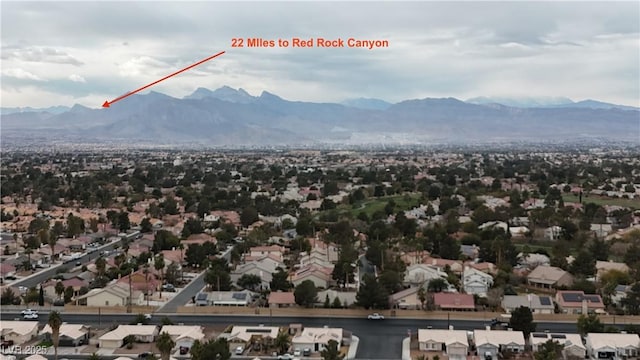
70,334
316,339
418,274
572,343
542,304
241,335
184,336
476,282
114,339
453,343
553,232
612,346
19,332
491,342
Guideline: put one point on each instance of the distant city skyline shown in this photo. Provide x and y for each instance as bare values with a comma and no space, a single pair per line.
63,53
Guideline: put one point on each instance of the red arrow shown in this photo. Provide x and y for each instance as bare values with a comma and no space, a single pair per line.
108,103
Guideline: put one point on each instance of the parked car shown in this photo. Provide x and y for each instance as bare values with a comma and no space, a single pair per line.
145,355
375,316
239,350
306,352
285,357
168,288
184,350
147,316
28,311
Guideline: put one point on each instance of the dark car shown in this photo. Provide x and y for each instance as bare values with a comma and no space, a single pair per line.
145,355
184,350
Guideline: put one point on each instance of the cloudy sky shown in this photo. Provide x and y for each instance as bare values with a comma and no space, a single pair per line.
63,53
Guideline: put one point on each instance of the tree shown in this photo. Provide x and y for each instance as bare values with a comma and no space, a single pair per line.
94,356
248,216
59,288
8,297
306,293
249,281
145,225
218,276
371,294
172,274
337,304
631,302
522,320
123,221
165,344
282,342
41,296
68,293
584,264
213,349
588,324
158,264
280,281
332,351
550,350
437,285
55,321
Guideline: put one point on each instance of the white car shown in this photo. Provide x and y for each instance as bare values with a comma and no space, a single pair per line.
375,316
30,316
147,316
285,357
239,350
28,311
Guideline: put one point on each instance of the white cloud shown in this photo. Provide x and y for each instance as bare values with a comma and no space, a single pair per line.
77,78
22,74
39,54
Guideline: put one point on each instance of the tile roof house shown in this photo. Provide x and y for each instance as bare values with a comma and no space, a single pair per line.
183,335
603,266
572,343
549,277
454,343
612,346
418,274
492,342
577,302
242,335
316,339
112,295
19,332
70,334
406,299
537,304
114,339
321,276
454,301
281,299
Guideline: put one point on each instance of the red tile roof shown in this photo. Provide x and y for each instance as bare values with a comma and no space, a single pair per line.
454,301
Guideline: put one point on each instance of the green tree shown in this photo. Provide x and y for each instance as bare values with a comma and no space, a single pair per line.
94,356
306,293
584,264
8,297
54,322
550,350
371,294
249,281
589,324
124,223
437,285
332,351
280,281
631,302
282,342
337,304
68,294
248,216
145,225
158,264
165,344
522,320
213,349
59,288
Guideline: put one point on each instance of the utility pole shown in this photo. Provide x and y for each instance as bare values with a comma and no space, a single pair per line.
130,292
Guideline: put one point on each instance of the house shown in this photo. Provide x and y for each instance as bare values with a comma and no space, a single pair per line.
115,339
244,335
577,302
537,304
112,295
490,343
70,334
279,299
612,346
603,266
548,277
533,260
19,332
476,282
453,343
321,276
601,230
229,298
182,335
418,274
260,251
346,297
76,284
454,301
553,232
407,299
572,344
620,293
148,283
263,269
316,339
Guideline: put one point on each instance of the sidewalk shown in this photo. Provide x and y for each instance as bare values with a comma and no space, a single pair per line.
406,348
353,348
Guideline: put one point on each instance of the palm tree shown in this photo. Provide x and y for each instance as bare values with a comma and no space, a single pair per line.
94,356
282,342
55,321
158,264
165,344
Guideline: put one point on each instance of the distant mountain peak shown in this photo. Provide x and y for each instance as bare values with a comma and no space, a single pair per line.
224,93
367,103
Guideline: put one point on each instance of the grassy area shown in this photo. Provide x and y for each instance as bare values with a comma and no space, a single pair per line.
370,206
601,200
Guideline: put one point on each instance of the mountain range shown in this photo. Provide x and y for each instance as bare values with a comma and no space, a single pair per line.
230,117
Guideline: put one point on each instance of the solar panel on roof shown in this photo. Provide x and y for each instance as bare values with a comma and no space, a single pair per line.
593,298
202,296
239,296
572,297
539,335
558,336
545,300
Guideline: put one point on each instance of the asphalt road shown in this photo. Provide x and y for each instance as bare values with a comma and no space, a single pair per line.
46,274
378,339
